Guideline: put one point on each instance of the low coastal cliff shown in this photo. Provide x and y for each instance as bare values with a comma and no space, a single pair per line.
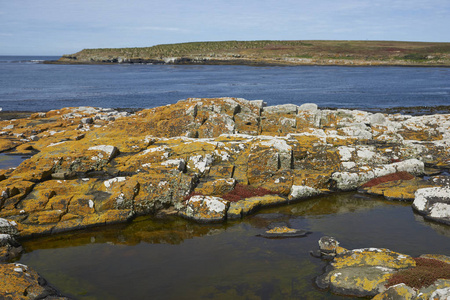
345,53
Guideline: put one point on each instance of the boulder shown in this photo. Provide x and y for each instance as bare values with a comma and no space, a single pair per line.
433,203
359,272
329,247
205,209
299,192
356,281
308,107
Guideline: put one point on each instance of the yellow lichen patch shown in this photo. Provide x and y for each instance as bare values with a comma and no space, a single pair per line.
312,178
340,250
399,291
373,257
22,282
398,189
282,229
249,205
216,187
358,281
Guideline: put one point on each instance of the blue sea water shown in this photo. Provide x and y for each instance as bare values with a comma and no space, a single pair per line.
26,84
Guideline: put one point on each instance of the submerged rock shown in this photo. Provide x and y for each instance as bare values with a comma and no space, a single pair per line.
284,232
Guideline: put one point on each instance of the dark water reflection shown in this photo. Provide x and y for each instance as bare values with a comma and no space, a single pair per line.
177,259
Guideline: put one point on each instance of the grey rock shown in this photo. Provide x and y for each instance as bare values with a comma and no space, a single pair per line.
7,227
281,109
328,245
87,121
377,119
349,281
309,107
434,203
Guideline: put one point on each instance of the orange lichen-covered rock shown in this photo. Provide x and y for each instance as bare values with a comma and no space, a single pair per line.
94,166
360,272
398,189
206,209
22,282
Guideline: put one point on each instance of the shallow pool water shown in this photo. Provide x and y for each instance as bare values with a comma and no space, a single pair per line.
11,161
174,258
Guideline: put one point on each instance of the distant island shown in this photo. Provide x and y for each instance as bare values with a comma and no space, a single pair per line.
341,53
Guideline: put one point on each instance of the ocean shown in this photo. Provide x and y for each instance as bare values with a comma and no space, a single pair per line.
27,84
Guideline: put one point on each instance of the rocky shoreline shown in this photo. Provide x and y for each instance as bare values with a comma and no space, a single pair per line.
211,160
258,62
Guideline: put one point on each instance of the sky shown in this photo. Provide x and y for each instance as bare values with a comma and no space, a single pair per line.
57,27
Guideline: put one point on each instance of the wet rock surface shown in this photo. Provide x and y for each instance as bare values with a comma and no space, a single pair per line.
95,166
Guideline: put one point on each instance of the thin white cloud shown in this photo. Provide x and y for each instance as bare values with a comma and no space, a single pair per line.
153,28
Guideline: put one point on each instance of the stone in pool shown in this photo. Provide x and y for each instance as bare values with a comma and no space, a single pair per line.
284,232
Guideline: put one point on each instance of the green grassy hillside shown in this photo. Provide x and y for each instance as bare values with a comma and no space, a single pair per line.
275,52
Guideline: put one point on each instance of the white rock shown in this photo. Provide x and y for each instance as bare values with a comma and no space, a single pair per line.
302,191
437,194
180,164
351,180
201,163
377,118
108,183
440,211
110,151
281,109
308,106
443,293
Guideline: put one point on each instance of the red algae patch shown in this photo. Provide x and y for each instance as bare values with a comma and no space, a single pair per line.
390,177
426,272
245,191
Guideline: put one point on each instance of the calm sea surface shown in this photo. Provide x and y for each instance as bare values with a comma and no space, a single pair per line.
27,85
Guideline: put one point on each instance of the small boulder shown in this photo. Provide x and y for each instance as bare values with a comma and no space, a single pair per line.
299,192
356,281
433,203
308,106
206,209
284,232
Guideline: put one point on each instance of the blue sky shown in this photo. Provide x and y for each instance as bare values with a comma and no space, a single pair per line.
56,27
